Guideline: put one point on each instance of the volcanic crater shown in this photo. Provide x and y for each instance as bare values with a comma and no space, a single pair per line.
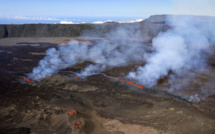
106,103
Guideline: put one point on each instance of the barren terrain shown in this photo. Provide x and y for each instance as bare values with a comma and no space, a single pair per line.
104,105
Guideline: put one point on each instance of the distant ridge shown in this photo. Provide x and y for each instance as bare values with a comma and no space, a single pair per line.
149,27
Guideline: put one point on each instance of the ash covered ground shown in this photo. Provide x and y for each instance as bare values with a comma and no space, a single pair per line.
104,105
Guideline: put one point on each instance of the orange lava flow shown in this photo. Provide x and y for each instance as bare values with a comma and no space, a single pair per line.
76,78
120,79
131,83
28,80
78,125
72,112
123,80
163,92
134,84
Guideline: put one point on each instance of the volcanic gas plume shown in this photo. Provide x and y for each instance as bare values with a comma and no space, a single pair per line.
180,49
117,50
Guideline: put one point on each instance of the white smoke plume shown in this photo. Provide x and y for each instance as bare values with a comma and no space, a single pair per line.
116,50
178,50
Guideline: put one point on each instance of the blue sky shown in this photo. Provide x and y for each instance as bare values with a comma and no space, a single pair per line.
84,7
55,9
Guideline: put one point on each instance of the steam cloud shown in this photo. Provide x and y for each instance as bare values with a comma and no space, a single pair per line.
118,50
179,49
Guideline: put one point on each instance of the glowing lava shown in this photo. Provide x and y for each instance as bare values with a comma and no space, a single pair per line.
72,112
123,80
134,84
78,125
76,78
163,92
131,83
28,80
120,79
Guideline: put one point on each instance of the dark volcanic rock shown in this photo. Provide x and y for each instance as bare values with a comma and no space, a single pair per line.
42,30
22,130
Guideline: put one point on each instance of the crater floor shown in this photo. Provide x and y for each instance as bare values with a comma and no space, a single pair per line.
103,105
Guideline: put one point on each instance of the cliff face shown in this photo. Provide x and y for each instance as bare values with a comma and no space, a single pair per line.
42,30
149,27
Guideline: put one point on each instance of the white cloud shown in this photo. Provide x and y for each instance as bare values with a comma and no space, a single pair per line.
131,21
66,22
127,21
138,20
98,22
